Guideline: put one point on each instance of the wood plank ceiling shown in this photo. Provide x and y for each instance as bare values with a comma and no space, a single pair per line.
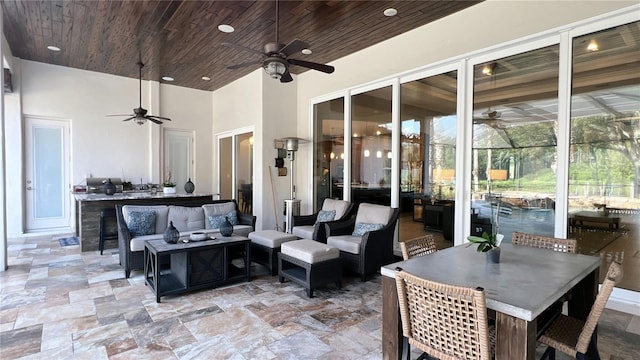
181,39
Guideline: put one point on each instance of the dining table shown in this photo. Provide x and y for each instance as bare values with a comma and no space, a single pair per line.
519,288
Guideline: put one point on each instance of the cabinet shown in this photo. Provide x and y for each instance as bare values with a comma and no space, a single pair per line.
439,217
177,268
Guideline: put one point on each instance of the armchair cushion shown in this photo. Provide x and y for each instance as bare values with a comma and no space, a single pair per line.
340,207
326,215
373,214
186,218
362,228
162,212
141,223
304,231
348,243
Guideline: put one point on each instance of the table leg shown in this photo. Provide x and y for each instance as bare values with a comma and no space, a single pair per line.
391,326
515,338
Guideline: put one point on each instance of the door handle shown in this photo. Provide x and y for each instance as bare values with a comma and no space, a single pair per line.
29,188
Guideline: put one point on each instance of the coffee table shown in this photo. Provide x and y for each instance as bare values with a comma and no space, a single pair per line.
178,268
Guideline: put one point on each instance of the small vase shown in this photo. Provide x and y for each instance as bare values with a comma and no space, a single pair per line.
171,235
169,189
109,188
493,255
189,186
226,229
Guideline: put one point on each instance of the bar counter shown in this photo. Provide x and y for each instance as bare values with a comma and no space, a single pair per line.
88,207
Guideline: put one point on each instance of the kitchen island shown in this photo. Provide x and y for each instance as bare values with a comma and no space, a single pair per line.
88,207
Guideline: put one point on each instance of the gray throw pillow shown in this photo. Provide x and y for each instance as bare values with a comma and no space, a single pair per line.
326,215
362,228
233,217
141,223
216,220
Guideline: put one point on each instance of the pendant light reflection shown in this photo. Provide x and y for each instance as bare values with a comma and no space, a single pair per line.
379,154
367,153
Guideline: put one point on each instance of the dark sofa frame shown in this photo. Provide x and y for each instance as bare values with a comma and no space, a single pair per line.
135,260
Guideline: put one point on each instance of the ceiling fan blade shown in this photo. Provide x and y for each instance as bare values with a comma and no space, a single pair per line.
311,65
158,117
238,66
154,120
240,47
286,77
122,115
293,47
131,118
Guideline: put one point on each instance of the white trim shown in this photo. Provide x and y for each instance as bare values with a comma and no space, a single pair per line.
624,300
563,122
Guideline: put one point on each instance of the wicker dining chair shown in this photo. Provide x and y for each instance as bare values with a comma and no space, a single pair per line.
544,242
444,321
419,246
575,337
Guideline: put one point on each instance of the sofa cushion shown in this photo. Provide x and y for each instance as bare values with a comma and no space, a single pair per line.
362,228
141,223
326,215
303,231
220,209
373,214
161,211
137,243
242,230
346,243
186,218
340,206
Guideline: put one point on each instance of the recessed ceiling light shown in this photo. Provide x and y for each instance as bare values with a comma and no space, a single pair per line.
390,12
307,51
167,78
226,28
593,46
206,78
53,48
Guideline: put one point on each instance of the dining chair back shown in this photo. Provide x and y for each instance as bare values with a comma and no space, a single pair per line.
544,242
423,245
445,321
575,337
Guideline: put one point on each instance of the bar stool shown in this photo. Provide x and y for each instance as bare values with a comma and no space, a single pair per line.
107,232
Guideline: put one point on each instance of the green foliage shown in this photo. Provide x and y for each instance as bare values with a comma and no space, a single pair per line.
485,243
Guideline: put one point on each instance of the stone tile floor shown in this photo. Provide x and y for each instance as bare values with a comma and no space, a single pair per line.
59,303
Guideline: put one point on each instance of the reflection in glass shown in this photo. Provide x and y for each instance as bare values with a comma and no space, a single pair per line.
225,160
428,155
244,171
48,172
371,133
514,156
328,144
604,153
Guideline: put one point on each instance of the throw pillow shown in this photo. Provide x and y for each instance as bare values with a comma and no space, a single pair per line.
326,215
233,217
142,223
362,228
216,220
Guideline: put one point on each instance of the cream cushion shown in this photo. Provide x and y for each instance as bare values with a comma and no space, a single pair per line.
373,214
162,212
303,231
186,218
340,206
309,251
217,210
270,238
347,243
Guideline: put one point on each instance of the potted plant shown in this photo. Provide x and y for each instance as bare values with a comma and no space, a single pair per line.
490,243
168,186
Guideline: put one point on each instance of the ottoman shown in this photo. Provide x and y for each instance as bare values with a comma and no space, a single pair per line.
265,246
309,263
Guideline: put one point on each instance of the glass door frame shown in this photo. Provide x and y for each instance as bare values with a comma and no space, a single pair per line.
233,135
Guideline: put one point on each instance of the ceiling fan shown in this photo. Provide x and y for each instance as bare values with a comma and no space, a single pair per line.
140,114
275,57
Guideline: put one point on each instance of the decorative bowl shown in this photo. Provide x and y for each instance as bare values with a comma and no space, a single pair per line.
198,236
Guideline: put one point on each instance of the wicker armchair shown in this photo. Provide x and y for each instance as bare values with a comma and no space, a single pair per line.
544,242
574,337
419,246
365,254
445,321
307,226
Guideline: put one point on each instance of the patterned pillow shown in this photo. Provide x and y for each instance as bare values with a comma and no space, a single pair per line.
362,228
233,217
141,223
326,215
216,220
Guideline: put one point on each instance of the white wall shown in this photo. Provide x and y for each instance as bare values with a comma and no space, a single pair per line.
480,26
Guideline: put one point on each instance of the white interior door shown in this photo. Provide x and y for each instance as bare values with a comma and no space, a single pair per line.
47,174
178,156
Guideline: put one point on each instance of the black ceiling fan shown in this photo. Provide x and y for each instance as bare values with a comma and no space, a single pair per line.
139,113
275,57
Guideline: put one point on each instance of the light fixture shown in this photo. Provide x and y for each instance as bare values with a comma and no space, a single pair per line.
367,153
275,67
341,156
251,140
389,156
379,154
53,48
306,51
378,132
390,12
226,28
355,134
167,78
205,78
332,155
593,45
